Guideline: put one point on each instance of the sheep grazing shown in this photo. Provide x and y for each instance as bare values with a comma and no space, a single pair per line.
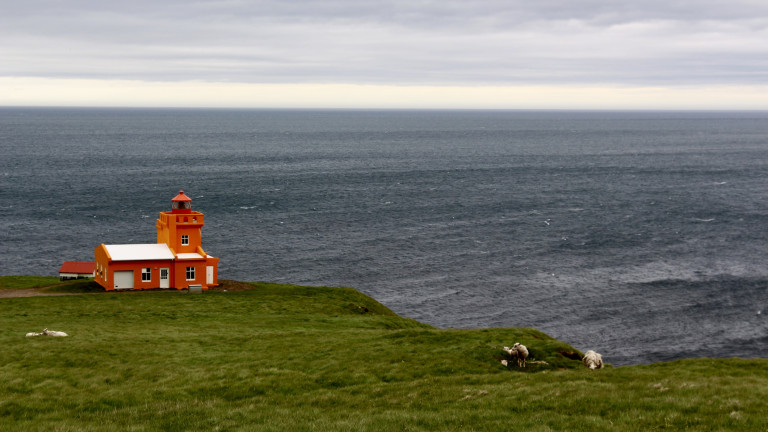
593,360
519,352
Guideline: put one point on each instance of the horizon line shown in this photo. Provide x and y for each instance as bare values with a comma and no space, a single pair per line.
372,108
53,92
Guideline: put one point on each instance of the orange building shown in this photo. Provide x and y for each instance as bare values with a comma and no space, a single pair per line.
177,260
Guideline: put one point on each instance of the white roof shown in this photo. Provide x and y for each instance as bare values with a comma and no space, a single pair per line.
131,252
189,256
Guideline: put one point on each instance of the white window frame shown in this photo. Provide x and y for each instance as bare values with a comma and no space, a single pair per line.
146,274
190,272
185,239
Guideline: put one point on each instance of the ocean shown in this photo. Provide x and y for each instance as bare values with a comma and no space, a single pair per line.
640,235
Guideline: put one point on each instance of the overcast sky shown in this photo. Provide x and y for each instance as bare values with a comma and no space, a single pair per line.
409,53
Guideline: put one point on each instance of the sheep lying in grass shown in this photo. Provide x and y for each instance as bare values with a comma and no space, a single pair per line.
53,333
519,352
47,332
593,360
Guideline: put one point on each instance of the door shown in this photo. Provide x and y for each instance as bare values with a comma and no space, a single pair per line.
124,279
209,275
164,281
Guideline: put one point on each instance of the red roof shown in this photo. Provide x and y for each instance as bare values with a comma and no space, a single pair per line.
181,197
80,267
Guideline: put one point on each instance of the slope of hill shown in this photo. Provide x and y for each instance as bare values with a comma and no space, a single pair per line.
265,356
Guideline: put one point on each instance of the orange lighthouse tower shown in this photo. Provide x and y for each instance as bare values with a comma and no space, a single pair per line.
177,260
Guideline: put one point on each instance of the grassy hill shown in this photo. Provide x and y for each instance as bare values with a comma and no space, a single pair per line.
282,357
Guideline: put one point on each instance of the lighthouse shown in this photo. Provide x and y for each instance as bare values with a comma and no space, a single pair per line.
177,260
181,228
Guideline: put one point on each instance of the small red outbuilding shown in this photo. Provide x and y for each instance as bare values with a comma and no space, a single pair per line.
76,270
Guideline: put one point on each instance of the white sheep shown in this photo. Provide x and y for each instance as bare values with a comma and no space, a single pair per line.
47,332
32,334
522,353
593,360
519,352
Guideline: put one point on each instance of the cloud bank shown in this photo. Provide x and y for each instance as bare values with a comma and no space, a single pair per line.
486,43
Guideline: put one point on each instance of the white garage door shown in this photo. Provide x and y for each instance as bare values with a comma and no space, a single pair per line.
124,279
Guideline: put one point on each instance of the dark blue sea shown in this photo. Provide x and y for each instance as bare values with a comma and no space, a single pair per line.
641,235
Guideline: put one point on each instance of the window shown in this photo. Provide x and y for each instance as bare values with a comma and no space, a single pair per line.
190,273
146,274
184,240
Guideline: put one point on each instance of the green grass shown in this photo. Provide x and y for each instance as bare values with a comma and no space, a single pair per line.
49,284
284,357
75,286
19,282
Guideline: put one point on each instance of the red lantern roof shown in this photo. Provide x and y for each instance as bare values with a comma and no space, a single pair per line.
181,197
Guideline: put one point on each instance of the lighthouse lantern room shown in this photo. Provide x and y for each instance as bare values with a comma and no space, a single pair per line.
177,260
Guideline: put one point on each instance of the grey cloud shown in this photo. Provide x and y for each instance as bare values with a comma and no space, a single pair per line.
393,42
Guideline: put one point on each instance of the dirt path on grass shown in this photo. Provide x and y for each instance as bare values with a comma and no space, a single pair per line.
224,285
30,292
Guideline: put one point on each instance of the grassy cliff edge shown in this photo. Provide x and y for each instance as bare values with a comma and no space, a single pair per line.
264,356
